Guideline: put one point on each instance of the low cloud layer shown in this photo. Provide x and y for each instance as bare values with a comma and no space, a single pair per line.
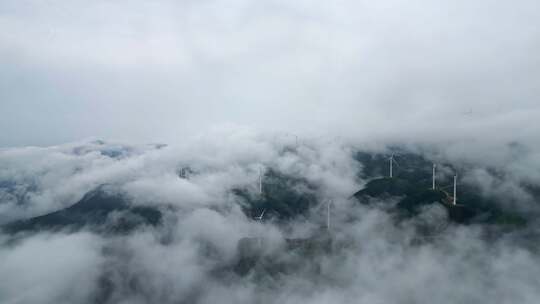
190,257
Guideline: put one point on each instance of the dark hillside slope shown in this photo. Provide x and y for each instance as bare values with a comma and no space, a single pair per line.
283,197
99,210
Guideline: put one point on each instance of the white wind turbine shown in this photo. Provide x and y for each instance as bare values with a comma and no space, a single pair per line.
260,217
329,202
392,161
455,189
433,177
260,181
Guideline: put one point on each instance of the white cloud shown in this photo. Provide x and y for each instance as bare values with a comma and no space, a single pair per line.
50,269
164,70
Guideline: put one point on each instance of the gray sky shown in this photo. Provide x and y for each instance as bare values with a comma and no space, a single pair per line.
144,71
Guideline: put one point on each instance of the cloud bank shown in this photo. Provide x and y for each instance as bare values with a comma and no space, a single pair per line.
191,256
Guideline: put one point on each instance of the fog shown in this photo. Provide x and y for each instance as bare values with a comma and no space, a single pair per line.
188,257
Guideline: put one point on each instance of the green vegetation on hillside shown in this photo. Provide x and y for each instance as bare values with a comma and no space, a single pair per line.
283,196
412,185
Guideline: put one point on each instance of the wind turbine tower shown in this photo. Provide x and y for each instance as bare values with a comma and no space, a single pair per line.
433,178
455,188
328,214
391,163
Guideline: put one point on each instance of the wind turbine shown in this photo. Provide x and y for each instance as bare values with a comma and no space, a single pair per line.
260,217
260,181
455,189
433,178
329,202
392,161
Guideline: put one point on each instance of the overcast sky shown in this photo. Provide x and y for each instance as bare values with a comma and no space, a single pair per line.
149,71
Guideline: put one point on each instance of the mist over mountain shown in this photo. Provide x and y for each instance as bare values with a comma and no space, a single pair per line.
177,223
